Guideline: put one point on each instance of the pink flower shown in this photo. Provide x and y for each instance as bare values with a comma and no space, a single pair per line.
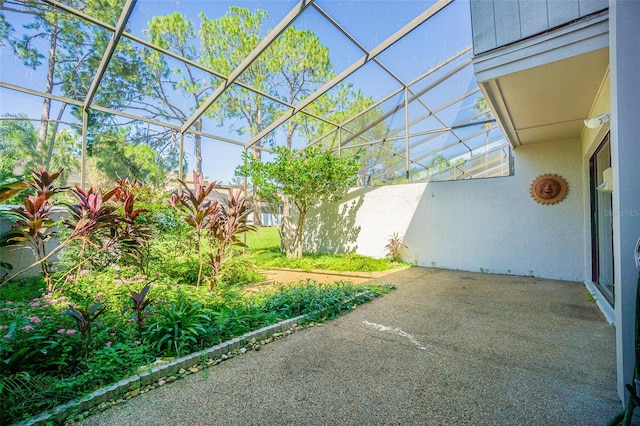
34,320
70,331
112,334
69,278
27,327
108,344
84,272
7,336
61,331
9,302
138,342
6,309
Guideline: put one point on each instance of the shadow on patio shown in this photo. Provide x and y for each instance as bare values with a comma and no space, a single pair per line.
446,347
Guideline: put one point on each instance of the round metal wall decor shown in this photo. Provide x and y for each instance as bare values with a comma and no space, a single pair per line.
549,189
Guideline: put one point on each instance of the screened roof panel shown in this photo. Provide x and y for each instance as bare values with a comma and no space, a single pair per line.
213,75
106,11
378,121
422,49
143,81
209,23
441,71
371,23
301,59
25,60
354,94
425,123
459,109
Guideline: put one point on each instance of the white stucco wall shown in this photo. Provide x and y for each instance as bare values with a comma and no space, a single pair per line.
493,225
486,224
364,220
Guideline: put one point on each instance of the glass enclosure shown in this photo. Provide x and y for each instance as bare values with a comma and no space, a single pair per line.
154,89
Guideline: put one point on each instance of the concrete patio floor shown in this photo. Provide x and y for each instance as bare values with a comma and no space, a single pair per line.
445,347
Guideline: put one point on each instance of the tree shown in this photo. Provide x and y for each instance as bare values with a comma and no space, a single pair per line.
20,152
116,158
69,51
175,32
307,177
293,67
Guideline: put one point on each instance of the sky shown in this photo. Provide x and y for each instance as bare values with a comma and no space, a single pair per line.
369,22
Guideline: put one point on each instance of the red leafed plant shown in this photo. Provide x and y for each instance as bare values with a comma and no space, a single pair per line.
33,223
230,220
198,210
133,237
140,307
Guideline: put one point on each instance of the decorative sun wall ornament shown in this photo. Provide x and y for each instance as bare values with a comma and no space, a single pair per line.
549,189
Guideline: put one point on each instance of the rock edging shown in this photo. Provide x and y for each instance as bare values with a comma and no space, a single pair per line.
164,373
132,386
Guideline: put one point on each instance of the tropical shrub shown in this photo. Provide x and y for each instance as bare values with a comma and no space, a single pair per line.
394,247
230,219
178,327
197,209
33,224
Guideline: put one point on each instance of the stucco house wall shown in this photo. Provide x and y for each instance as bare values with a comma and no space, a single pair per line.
489,225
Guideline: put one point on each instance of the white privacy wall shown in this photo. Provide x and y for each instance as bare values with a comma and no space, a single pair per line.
489,225
364,220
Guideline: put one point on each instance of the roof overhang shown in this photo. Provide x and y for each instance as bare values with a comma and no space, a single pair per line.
542,88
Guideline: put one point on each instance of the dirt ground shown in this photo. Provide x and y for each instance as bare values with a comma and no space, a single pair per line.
287,276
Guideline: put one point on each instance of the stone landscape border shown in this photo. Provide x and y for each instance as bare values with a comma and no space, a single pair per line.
170,371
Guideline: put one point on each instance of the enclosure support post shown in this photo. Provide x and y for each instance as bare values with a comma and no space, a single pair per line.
406,132
339,141
180,157
83,161
244,189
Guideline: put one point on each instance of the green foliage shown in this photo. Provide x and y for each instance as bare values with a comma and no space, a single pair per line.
20,149
394,247
321,300
86,318
198,210
239,270
305,178
265,238
341,262
39,342
140,307
116,157
177,327
230,220
33,223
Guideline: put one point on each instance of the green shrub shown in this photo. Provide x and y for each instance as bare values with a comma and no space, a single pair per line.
177,328
240,270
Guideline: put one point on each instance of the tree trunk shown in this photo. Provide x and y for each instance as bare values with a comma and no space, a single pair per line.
292,234
198,148
257,208
46,103
52,141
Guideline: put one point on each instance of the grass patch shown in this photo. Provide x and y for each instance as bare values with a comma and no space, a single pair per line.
331,262
264,250
265,238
